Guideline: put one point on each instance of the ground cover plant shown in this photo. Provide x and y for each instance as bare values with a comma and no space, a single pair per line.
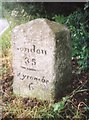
73,106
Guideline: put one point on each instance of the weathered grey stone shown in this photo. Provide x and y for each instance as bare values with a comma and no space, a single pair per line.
41,59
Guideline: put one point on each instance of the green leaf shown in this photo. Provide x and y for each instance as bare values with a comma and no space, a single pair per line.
60,105
86,108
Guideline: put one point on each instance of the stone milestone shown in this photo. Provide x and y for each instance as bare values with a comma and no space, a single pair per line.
41,59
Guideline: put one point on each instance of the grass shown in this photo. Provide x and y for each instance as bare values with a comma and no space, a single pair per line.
5,53
5,42
70,107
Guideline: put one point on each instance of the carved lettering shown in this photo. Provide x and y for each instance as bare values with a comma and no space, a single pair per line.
26,60
33,50
24,77
26,50
18,74
38,51
35,78
33,61
30,63
30,86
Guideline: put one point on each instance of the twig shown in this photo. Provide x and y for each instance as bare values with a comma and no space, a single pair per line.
84,90
79,89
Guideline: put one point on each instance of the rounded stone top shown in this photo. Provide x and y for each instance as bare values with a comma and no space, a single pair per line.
41,23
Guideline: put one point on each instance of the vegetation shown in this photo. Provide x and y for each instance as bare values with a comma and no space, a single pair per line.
5,42
77,22
74,106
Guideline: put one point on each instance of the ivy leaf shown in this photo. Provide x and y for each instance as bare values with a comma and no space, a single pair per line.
60,105
86,108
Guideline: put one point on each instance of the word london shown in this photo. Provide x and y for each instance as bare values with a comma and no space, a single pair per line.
33,50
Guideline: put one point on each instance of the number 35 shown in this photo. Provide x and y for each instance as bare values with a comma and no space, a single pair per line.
27,61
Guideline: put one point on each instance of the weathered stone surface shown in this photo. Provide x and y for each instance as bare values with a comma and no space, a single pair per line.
41,59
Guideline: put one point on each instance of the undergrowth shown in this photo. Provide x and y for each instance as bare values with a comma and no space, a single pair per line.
69,107
78,23
5,42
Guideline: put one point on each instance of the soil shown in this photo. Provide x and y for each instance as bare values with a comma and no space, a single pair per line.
79,95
